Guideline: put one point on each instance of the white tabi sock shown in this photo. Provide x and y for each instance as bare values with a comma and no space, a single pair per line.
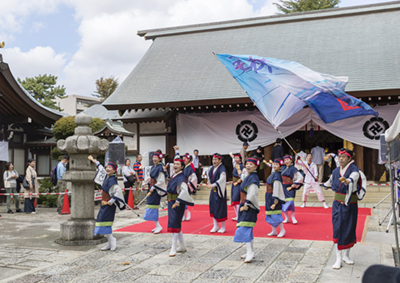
286,214
173,248
188,215
222,230
252,247
184,216
346,258
338,263
158,227
216,227
325,206
182,247
236,209
294,220
108,246
273,232
282,231
250,253
113,243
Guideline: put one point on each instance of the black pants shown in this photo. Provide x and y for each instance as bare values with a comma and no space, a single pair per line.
29,205
127,185
198,175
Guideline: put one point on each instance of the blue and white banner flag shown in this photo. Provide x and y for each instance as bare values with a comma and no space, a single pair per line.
281,88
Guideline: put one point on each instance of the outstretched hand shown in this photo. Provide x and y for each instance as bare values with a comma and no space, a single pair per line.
244,207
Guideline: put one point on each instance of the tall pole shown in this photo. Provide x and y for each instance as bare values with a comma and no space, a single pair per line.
393,204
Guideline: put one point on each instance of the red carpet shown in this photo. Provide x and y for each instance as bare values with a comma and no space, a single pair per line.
315,223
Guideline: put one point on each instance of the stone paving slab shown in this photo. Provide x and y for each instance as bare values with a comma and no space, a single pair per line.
208,259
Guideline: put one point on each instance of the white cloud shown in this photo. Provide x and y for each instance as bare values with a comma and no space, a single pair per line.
14,13
39,60
109,45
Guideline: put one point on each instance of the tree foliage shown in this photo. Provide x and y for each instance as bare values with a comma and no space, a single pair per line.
294,6
105,87
44,89
65,127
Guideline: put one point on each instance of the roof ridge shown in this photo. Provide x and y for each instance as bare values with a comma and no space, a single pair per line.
308,15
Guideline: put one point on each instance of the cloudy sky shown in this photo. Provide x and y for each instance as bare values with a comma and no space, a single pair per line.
81,40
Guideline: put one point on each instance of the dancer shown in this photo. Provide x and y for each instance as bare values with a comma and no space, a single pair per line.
235,190
344,182
291,180
191,179
274,198
311,180
217,183
112,197
249,208
178,199
157,189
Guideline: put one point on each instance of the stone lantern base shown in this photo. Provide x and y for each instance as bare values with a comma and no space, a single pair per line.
79,233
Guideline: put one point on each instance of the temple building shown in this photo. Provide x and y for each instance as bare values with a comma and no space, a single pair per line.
180,93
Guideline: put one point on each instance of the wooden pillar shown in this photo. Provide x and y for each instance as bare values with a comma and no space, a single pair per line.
359,156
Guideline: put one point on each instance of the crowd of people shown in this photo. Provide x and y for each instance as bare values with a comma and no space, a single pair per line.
183,180
281,187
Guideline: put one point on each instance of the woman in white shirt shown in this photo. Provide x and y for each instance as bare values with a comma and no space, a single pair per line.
10,184
129,178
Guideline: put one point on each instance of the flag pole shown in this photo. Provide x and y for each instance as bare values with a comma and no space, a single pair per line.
294,152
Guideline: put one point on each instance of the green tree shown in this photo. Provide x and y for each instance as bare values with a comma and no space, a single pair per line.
105,87
65,127
294,6
44,89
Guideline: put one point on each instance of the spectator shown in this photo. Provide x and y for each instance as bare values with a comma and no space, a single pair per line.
10,183
318,154
277,151
129,178
31,179
197,164
138,168
243,153
61,184
311,180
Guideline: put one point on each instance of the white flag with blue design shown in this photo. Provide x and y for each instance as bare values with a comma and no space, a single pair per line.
281,88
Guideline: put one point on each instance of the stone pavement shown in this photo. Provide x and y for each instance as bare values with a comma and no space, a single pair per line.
28,254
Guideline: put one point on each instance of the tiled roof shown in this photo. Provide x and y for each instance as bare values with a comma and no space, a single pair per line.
179,67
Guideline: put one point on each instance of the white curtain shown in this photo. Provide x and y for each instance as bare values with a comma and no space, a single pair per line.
216,132
4,151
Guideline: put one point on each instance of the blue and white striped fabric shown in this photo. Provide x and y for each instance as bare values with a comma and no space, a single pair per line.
281,88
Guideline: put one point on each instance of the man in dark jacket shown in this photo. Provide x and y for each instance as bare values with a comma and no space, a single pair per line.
277,151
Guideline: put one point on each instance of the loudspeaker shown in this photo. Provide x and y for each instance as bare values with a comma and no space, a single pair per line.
383,149
116,152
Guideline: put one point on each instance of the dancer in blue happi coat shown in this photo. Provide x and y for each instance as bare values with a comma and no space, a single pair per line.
217,185
191,177
178,199
157,189
238,169
344,181
291,180
249,208
111,197
274,198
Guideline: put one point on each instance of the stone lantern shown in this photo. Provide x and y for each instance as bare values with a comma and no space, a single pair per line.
78,230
